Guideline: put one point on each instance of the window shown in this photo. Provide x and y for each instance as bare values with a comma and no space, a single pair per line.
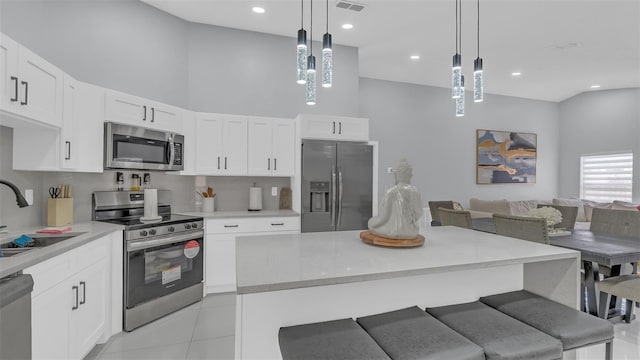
606,177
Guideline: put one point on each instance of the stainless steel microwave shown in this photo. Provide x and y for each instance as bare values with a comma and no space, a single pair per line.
132,147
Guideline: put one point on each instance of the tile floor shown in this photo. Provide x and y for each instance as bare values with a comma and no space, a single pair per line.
205,330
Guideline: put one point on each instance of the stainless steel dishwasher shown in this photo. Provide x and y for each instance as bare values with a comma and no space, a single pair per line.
15,317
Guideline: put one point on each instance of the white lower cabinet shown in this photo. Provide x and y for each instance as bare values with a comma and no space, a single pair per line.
220,245
70,302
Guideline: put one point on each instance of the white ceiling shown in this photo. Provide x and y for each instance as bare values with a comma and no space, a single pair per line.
562,47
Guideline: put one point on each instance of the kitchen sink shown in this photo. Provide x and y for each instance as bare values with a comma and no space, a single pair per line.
39,241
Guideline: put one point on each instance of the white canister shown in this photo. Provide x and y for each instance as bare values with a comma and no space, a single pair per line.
255,198
208,204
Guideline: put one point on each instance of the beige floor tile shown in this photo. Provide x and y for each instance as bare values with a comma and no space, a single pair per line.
218,348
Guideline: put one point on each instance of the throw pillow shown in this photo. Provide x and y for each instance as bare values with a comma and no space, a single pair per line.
457,206
623,205
522,207
572,202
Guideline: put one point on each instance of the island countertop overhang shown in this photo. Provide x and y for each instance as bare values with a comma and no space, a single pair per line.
282,262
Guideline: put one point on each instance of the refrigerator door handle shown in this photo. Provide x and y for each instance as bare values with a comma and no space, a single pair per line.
339,195
333,196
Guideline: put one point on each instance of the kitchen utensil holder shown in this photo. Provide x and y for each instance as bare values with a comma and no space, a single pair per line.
59,211
208,204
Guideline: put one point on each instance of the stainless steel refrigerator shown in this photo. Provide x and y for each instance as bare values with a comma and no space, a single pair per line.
337,185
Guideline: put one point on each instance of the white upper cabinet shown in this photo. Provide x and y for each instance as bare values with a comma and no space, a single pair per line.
137,111
326,127
189,147
30,86
81,133
271,147
221,144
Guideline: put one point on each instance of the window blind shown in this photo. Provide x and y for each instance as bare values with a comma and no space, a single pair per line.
606,177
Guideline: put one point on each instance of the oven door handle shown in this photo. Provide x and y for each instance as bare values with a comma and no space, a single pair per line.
146,244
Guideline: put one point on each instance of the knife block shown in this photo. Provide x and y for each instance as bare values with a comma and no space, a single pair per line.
59,211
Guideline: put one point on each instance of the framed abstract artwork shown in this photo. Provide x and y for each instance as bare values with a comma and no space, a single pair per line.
505,157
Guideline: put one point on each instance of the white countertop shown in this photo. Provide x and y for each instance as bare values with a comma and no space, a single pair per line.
90,231
279,262
241,214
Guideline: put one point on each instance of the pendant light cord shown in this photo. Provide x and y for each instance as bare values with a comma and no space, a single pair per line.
460,27
301,14
327,16
311,28
478,28
456,26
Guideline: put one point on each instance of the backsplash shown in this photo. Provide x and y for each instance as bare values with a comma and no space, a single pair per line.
232,193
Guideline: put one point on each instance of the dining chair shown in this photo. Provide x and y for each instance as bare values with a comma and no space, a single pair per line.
569,215
433,209
522,227
459,218
615,222
624,286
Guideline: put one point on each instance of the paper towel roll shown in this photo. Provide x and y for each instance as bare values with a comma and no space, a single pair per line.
150,203
255,198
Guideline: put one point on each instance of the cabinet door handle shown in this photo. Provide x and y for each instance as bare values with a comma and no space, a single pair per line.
75,289
268,163
26,93
68,146
144,116
218,162
334,128
153,114
84,292
225,163
231,226
15,87
275,164
277,224
340,128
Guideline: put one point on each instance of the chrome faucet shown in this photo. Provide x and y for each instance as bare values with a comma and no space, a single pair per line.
20,200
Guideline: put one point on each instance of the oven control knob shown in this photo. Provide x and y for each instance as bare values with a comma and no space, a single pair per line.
152,232
171,229
194,226
187,226
143,233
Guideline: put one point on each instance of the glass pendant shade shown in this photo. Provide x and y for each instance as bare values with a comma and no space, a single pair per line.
478,86
460,99
311,80
327,61
456,76
302,57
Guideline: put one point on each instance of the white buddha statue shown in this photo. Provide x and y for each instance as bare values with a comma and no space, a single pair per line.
400,210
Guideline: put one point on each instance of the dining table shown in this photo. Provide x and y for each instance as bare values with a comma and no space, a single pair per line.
595,249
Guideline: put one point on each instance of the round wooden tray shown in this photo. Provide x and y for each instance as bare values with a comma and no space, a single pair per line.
370,238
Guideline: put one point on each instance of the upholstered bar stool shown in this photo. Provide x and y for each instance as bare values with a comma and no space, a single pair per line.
575,329
336,339
624,286
500,336
413,334
522,227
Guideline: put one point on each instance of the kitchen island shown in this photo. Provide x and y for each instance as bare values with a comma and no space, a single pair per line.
286,280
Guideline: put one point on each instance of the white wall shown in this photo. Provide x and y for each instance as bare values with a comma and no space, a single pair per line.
598,122
418,122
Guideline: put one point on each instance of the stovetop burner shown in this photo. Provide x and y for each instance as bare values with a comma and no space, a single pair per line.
135,223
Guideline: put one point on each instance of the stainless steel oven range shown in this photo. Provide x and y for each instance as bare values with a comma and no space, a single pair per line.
163,261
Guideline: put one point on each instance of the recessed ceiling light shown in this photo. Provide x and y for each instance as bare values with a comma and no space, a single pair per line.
595,86
516,73
258,10
414,57
347,26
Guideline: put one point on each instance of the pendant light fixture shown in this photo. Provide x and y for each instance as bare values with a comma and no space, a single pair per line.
311,67
302,50
456,70
460,99
478,86
327,56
